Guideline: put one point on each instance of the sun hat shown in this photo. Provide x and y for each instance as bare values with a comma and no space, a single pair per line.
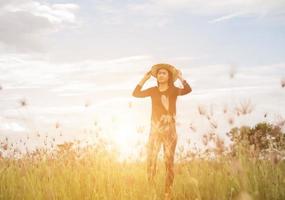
170,68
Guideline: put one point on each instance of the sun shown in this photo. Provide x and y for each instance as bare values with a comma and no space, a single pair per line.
124,135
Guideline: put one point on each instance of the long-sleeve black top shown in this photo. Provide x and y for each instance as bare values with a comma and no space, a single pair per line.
163,103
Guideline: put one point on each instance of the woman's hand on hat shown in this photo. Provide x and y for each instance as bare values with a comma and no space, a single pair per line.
147,75
145,78
179,75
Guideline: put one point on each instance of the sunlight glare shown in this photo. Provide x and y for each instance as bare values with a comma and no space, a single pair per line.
124,135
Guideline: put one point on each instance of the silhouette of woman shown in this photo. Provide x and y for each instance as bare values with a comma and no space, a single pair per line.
163,122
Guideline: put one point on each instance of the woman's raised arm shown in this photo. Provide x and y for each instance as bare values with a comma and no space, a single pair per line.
142,93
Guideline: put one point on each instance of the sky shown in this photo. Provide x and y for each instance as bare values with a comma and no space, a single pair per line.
77,62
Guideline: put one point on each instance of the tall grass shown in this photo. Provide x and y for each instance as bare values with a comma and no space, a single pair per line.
92,172
70,171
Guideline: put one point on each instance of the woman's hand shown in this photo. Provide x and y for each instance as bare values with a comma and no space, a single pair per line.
179,75
147,76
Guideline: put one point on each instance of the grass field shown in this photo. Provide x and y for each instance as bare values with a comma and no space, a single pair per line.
94,173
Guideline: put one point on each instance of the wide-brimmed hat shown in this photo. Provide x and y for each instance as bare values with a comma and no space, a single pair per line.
170,68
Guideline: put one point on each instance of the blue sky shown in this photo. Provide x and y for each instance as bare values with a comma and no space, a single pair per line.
173,29
62,55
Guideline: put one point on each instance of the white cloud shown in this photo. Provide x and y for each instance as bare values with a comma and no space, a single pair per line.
24,25
221,10
227,17
55,13
151,14
222,7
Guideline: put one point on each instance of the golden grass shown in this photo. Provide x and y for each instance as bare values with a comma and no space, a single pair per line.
92,172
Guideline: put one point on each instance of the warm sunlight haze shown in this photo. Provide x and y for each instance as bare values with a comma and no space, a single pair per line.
142,100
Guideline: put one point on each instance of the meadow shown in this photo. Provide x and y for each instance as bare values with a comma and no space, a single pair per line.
71,171
251,167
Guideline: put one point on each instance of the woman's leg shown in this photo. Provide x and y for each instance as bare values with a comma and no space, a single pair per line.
152,152
169,145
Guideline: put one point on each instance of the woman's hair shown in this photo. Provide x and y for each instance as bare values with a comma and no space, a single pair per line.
170,78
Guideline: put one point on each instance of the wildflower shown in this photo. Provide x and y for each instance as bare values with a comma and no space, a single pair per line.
231,120
5,147
214,124
283,82
244,108
202,110
279,121
232,71
87,103
192,127
212,136
225,109
205,139
208,117
23,102
220,147
57,125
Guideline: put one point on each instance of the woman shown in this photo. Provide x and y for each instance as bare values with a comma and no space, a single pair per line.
163,124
